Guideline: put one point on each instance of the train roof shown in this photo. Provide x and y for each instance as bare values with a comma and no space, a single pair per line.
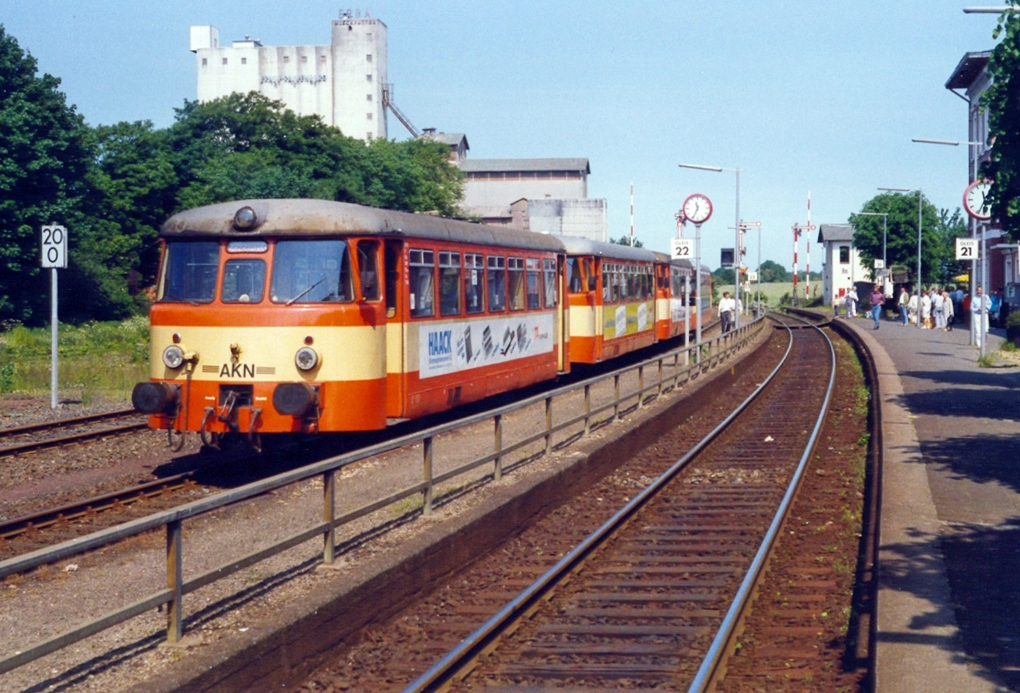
305,217
586,246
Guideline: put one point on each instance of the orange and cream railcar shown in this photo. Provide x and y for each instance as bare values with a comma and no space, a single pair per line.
612,299
675,294
279,316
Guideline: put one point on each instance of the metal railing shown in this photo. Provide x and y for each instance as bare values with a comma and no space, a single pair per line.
695,361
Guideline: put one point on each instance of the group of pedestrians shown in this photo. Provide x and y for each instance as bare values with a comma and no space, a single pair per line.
941,309
728,307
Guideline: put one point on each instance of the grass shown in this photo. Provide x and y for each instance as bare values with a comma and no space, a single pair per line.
97,358
774,291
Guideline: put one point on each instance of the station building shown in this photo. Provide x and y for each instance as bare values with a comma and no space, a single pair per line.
344,83
972,79
841,262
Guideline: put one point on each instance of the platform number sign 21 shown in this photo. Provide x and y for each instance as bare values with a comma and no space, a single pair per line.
966,249
54,246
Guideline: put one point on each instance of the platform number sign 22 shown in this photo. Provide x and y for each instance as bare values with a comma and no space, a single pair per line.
683,248
54,246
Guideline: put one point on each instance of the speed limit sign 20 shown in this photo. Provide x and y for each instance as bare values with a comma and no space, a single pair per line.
54,246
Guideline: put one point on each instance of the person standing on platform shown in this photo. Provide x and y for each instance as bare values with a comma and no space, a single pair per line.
912,308
726,307
836,300
903,301
950,311
926,310
938,310
877,299
851,302
957,296
979,322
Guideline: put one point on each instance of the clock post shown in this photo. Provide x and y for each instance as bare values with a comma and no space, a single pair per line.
974,197
697,208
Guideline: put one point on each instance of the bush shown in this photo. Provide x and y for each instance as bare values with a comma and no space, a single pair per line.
1013,320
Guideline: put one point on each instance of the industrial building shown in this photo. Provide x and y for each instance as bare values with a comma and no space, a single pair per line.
344,83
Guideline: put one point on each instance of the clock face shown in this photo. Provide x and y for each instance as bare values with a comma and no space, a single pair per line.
974,200
697,208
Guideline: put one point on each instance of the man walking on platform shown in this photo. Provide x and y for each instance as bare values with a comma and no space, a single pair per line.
726,307
877,299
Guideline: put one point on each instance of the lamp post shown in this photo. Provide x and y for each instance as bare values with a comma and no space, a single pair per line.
920,197
736,244
974,227
885,232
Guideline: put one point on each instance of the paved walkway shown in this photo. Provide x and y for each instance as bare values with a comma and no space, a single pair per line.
949,576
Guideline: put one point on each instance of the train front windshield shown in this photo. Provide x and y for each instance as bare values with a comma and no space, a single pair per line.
303,271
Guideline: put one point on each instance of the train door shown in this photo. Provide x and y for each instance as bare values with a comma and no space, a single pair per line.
393,268
563,315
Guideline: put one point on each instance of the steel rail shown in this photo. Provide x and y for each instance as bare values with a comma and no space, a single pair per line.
711,352
709,666
68,439
90,418
460,657
70,511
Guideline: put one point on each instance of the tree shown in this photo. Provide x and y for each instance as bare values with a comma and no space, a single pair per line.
724,275
44,156
771,271
1002,101
901,242
625,240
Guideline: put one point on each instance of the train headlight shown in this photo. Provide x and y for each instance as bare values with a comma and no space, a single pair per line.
173,356
306,358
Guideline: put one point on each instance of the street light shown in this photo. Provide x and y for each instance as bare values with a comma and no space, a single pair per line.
920,196
984,261
736,244
885,231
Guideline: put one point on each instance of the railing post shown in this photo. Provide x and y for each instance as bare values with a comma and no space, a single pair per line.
427,493
587,409
497,471
616,397
174,581
640,386
548,425
328,514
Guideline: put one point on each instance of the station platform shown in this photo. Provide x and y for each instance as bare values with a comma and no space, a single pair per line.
949,560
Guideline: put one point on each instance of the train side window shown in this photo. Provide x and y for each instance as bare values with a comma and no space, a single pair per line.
534,284
449,283
474,282
607,281
549,270
311,271
496,283
421,276
244,281
392,263
190,271
575,280
588,265
515,279
368,269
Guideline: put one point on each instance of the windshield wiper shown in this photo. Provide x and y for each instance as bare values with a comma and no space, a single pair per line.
306,290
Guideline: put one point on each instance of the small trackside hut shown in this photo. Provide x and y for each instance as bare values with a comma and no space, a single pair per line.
303,316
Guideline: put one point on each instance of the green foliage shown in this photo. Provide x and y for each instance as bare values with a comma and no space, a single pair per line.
1013,319
1002,101
113,186
771,271
625,240
44,157
901,240
724,275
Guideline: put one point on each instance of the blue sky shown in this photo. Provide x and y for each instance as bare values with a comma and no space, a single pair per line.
800,95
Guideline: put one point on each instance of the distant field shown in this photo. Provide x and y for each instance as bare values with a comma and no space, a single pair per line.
776,290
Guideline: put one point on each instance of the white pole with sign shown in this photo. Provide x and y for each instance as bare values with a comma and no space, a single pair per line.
54,257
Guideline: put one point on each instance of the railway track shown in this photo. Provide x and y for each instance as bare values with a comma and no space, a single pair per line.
652,598
23,439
